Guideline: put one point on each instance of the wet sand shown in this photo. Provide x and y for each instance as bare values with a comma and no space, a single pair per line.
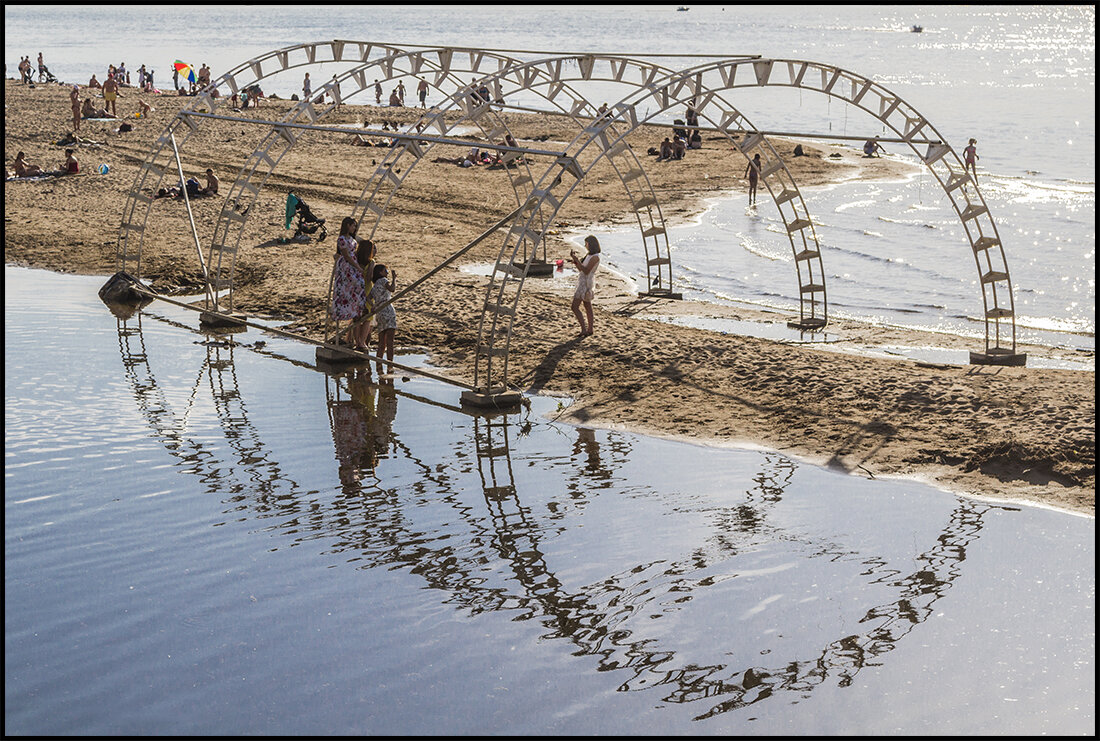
1019,434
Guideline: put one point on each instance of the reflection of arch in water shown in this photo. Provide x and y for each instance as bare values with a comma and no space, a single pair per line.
596,617
253,473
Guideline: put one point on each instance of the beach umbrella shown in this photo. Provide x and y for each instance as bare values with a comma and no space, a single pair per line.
186,71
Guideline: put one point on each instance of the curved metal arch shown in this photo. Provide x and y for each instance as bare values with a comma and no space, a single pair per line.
704,82
499,308
220,245
915,129
499,304
387,171
242,193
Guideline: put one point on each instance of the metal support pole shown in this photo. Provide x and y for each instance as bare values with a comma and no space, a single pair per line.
194,231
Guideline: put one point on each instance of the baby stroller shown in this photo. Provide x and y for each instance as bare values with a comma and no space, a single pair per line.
49,75
307,223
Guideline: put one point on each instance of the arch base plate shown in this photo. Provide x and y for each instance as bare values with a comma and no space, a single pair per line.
498,398
811,323
334,357
216,319
998,356
535,268
662,293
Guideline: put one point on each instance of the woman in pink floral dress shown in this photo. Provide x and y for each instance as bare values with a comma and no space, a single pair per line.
349,294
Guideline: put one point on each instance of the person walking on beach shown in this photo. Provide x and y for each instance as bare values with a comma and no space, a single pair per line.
422,92
41,68
306,87
349,295
74,98
586,283
970,157
381,292
377,92
110,93
753,171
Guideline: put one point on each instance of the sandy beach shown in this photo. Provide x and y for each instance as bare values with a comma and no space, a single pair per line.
1017,434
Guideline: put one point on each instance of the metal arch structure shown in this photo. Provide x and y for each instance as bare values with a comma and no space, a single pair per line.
243,192
702,84
245,189
532,223
398,62
938,157
532,220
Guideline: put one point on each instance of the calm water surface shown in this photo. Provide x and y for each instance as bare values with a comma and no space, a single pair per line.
206,534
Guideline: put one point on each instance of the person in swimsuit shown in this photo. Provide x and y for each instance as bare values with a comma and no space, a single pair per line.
970,157
586,283
871,146
74,98
753,171
110,93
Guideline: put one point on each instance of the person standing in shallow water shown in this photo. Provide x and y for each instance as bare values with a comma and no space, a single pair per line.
970,157
753,171
586,283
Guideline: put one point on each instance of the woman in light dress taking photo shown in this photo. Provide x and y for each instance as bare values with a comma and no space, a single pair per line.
586,283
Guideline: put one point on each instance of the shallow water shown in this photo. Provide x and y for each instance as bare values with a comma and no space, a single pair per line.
206,534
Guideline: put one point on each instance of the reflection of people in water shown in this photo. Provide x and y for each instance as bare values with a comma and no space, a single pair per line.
381,424
586,443
351,427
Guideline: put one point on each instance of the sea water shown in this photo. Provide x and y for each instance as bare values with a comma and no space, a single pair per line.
208,534
1020,79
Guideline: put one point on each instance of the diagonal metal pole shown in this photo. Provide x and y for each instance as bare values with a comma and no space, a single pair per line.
441,265
194,232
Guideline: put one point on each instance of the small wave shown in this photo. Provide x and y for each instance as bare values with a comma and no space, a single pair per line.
906,222
1068,326
853,204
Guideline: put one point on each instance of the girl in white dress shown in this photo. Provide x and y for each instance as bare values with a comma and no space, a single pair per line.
385,283
586,283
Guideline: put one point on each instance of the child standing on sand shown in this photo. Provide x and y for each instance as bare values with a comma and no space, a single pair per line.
381,292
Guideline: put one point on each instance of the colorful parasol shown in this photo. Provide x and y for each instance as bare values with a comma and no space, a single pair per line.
185,70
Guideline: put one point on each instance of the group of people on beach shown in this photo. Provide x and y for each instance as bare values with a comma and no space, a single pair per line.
685,135
362,292
23,169
191,187
26,71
